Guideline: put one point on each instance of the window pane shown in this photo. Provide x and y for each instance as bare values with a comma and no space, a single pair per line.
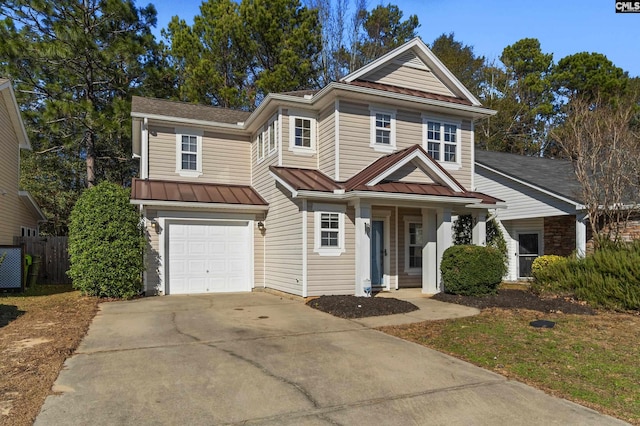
189,143
272,136
433,130
450,133
383,137
189,162
433,148
329,229
449,152
303,132
383,121
415,257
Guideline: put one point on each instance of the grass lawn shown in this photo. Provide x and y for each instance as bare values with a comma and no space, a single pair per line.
39,329
592,360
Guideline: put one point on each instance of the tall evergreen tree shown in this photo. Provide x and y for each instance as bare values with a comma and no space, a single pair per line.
75,65
461,61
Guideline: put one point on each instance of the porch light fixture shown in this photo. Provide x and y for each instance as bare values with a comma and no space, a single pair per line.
261,226
155,225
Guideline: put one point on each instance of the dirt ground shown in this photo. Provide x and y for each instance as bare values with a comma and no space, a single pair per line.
37,334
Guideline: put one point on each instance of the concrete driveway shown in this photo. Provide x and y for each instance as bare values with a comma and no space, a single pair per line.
261,359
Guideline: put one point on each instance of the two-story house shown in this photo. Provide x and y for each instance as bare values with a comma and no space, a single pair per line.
314,192
19,213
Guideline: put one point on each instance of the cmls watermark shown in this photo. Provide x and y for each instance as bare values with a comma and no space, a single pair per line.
628,7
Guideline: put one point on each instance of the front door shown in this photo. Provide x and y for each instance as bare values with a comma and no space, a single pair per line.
528,250
377,253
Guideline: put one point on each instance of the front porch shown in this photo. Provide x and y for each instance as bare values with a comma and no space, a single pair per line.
401,246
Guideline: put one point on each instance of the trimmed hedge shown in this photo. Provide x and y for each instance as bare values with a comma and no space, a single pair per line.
609,278
106,243
471,270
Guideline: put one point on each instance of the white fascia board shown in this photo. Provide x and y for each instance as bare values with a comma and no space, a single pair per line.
477,111
216,206
14,115
444,178
291,189
499,205
386,196
579,206
28,199
202,123
418,43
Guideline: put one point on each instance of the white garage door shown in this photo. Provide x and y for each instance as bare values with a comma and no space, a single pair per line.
209,257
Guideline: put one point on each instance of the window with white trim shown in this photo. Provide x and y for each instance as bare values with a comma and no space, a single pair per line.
329,229
28,232
383,129
260,145
442,140
302,133
189,152
272,135
267,139
413,243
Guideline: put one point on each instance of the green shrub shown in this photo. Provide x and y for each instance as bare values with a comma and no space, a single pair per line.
609,278
463,230
542,262
106,243
472,270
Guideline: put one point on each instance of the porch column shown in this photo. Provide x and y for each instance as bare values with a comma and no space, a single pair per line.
429,252
363,246
581,234
479,237
445,239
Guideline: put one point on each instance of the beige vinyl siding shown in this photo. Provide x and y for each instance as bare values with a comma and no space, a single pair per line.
13,212
405,280
225,157
355,137
277,254
291,159
397,74
152,256
326,142
463,174
410,173
522,201
408,129
331,274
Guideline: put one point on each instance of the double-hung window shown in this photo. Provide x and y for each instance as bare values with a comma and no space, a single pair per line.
189,152
442,140
383,129
272,135
302,133
267,139
329,229
413,244
260,145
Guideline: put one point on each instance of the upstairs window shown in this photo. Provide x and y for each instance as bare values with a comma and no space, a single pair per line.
189,152
442,140
272,135
302,133
383,132
267,139
260,145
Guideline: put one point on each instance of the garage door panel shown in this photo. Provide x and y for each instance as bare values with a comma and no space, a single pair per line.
211,257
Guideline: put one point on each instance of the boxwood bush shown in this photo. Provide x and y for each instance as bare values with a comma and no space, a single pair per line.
106,243
609,278
472,270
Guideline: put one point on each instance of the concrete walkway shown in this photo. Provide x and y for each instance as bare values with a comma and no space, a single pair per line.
262,359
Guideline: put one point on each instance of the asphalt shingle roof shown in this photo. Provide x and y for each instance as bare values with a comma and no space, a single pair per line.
553,175
186,110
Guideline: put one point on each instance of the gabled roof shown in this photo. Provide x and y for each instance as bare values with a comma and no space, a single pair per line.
165,108
383,167
9,98
372,180
551,175
427,57
149,191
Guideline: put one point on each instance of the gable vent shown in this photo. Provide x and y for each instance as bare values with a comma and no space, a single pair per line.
411,60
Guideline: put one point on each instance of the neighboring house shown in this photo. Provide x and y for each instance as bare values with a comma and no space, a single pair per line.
315,192
544,214
19,212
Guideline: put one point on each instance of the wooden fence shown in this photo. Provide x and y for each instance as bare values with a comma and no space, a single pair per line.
54,257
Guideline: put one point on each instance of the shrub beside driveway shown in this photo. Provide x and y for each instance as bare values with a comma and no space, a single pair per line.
38,331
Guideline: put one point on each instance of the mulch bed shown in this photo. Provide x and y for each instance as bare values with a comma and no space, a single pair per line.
519,299
360,307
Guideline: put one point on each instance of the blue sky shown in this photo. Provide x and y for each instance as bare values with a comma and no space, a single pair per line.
563,27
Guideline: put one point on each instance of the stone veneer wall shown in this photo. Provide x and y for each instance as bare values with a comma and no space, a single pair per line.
560,235
629,233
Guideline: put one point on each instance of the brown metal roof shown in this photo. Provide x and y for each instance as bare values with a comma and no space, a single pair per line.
186,110
314,180
411,92
306,179
164,190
